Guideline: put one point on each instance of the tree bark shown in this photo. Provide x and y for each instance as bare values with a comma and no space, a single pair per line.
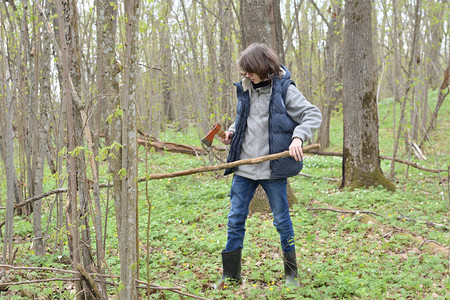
333,68
441,96
255,12
9,161
225,63
361,160
126,201
43,129
106,78
64,11
166,56
409,79
265,13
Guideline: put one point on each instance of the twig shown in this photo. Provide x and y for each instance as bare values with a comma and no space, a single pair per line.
38,281
147,286
354,212
35,198
429,241
428,223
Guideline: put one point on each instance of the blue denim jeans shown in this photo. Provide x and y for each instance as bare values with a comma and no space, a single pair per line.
242,191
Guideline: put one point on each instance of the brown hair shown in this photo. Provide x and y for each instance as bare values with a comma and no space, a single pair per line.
261,60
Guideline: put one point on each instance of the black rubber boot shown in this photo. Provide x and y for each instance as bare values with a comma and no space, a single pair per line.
290,268
231,262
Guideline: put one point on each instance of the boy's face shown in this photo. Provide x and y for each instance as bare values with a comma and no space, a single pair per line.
253,77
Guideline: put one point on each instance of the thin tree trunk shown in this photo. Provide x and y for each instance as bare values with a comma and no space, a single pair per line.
225,63
9,159
409,79
106,29
166,55
440,100
396,84
126,167
72,205
43,128
332,68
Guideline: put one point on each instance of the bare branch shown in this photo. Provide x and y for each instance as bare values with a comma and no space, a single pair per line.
249,161
409,163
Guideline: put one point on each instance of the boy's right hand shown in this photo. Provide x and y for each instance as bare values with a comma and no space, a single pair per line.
228,137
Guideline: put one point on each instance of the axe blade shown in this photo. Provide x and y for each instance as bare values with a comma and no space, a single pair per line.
206,142
215,129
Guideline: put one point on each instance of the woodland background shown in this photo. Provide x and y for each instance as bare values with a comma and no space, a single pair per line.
91,89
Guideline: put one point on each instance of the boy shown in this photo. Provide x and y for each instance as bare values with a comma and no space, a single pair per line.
269,120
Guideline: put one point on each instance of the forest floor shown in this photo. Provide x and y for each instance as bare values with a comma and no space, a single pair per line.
360,244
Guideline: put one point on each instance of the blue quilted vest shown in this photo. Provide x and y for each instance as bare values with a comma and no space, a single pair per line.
281,127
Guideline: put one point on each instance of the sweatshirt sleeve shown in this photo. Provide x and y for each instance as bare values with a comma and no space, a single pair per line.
307,115
232,127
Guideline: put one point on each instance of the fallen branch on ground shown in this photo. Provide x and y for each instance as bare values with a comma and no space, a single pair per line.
152,142
428,223
151,286
402,161
353,212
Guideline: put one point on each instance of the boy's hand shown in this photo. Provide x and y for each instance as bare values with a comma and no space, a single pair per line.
228,137
295,149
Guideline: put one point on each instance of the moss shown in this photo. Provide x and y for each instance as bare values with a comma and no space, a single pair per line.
375,178
366,219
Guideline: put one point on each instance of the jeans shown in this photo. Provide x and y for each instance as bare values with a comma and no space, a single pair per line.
242,191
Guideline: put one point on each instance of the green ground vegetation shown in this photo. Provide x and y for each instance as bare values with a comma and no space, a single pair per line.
182,230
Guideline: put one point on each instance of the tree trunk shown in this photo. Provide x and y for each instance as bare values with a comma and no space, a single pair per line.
254,12
333,69
43,129
396,81
107,90
166,56
8,136
125,165
260,203
408,86
275,21
361,161
440,100
64,14
265,14
225,63
28,140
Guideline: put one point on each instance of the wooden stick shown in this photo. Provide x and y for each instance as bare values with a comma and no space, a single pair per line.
249,161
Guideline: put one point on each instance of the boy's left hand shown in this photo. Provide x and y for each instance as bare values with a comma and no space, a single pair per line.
295,149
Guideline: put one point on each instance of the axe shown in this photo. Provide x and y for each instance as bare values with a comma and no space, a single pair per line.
215,129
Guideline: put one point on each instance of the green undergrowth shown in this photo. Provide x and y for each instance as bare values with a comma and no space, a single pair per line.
182,230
